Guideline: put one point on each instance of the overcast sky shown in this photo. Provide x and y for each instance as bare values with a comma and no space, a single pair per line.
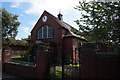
29,12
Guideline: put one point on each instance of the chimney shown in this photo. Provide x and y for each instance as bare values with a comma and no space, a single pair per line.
60,16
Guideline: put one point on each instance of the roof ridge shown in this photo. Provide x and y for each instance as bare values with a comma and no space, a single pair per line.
50,14
58,19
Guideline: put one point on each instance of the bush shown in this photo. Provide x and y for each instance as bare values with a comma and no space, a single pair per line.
27,53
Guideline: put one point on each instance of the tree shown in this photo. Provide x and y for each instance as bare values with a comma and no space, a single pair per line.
9,25
0,37
100,21
19,42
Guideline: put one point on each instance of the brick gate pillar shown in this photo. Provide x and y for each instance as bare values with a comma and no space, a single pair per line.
6,55
88,63
42,64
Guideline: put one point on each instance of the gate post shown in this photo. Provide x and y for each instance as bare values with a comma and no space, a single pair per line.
6,55
42,64
88,62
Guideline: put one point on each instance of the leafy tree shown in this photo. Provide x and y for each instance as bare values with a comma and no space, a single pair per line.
27,54
75,31
28,38
100,21
9,25
19,42
0,30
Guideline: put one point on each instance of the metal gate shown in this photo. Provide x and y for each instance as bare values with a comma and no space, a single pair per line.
65,70
63,67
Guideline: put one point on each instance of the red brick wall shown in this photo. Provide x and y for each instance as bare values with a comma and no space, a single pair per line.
15,47
6,55
42,64
67,47
103,48
19,70
18,47
74,46
108,66
100,65
88,63
41,70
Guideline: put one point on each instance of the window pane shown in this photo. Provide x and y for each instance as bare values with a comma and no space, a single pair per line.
39,33
50,32
45,32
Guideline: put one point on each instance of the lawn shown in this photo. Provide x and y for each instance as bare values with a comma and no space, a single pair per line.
19,60
16,57
73,65
69,71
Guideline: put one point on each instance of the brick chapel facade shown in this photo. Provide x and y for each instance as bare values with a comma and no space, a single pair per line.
53,29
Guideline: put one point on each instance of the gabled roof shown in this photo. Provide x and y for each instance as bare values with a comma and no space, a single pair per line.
68,27
64,25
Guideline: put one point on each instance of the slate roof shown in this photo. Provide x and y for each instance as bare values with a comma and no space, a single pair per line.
66,26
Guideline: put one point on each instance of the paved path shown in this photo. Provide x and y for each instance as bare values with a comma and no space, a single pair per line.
6,75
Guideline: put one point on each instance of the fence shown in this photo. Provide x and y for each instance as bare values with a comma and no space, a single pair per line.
39,70
99,64
108,65
19,70
94,64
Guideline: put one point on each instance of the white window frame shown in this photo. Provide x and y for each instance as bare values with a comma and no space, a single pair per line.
47,31
42,33
38,33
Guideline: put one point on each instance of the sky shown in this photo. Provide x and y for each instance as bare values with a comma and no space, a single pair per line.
29,11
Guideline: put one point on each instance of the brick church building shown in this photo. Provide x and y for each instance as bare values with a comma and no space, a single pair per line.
53,29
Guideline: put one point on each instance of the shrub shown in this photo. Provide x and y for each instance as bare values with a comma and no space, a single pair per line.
27,53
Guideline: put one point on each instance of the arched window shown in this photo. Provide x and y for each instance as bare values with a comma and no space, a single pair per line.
45,32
